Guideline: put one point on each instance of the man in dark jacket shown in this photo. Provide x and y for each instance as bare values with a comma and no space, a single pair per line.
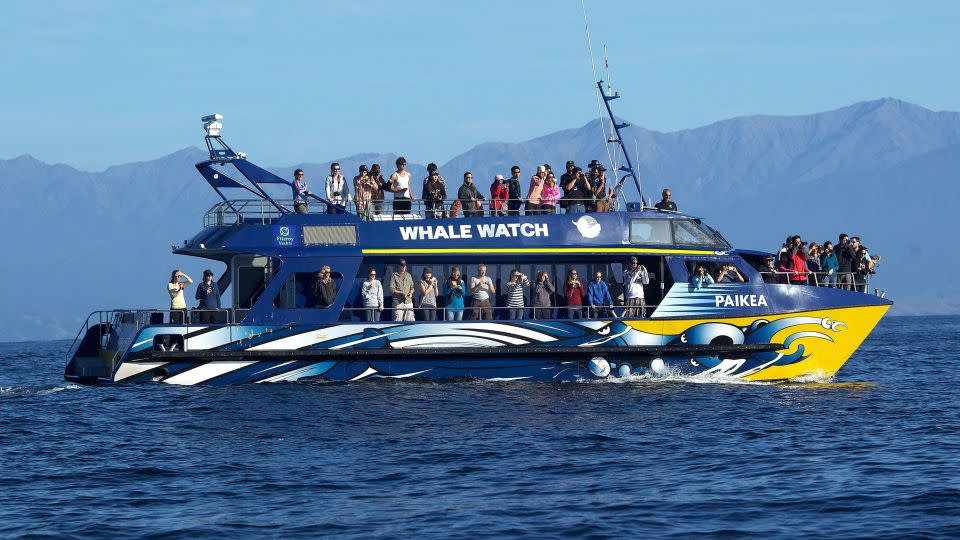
666,203
845,258
514,197
470,197
209,296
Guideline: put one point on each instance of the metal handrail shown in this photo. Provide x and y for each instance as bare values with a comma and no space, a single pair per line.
648,309
263,212
817,278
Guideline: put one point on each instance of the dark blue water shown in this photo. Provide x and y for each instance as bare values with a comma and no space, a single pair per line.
873,454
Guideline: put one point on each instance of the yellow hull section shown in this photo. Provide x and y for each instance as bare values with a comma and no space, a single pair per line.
824,358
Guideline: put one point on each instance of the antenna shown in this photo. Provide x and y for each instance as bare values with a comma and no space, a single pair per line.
593,66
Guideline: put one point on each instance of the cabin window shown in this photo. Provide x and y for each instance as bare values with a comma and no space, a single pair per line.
716,270
302,290
688,232
168,342
650,231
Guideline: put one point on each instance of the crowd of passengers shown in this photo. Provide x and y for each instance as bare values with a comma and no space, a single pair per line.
846,266
576,192
423,298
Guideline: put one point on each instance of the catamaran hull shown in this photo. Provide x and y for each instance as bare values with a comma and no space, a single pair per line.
771,347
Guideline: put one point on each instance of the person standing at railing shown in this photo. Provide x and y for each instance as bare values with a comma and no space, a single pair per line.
434,192
515,286
574,293
401,286
576,193
829,265
813,264
178,306
481,290
499,193
729,274
208,293
542,296
549,195
701,278
514,196
380,185
862,268
324,288
400,186
300,192
429,291
598,294
371,293
845,258
453,295
364,186
769,270
798,262
470,197
635,277
535,193
337,190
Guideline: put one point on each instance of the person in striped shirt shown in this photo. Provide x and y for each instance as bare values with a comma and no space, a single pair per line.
515,287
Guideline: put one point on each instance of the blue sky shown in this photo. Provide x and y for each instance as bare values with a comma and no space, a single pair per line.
98,83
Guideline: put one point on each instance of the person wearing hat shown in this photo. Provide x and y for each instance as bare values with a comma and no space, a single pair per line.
535,193
208,293
598,184
499,193
634,278
365,187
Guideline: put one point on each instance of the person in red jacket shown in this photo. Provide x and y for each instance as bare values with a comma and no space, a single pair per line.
499,193
574,293
798,256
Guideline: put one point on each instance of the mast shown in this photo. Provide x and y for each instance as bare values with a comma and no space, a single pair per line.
617,138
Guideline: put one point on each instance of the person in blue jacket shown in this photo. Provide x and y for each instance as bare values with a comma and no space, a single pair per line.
829,265
598,294
208,293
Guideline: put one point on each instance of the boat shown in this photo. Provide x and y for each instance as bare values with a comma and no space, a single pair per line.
270,331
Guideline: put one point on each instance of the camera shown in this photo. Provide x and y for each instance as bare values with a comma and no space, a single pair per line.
336,193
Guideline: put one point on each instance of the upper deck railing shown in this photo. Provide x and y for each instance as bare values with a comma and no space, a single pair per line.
264,212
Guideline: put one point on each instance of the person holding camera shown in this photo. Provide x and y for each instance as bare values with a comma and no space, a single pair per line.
380,185
178,306
729,274
535,191
499,193
429,292
300,192
434,192
635,276
829,265
798,259
324,288
337,190
542,296
701,278
846,255
364,186
515,288
482,290
576,193
453,295
862,268
371,292
574,293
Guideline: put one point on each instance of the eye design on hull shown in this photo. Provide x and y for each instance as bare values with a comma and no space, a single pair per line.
831,324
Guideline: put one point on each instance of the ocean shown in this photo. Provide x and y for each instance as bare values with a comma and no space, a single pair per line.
874,453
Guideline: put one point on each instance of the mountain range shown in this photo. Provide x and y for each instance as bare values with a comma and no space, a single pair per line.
885,170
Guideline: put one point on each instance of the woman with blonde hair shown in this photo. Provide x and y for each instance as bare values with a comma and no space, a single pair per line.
178,306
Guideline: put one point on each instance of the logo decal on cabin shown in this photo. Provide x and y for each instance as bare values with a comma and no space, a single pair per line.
588,227
284,236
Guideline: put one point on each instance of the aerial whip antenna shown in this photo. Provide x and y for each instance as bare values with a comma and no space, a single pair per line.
603,101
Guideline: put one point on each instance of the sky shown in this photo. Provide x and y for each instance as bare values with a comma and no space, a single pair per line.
92,84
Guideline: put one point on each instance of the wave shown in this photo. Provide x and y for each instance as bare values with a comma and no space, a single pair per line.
38,390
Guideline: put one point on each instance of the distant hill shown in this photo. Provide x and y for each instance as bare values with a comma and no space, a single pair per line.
886,170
